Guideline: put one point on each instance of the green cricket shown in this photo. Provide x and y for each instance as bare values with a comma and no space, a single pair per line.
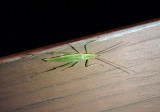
74,58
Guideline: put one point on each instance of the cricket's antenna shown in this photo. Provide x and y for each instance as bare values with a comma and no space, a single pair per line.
115,65
110,48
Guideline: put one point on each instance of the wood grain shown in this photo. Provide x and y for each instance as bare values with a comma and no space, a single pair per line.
88,89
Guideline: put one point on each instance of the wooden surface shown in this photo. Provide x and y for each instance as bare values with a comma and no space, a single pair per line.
88,89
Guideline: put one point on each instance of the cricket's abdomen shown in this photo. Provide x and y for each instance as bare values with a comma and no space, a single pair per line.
72,58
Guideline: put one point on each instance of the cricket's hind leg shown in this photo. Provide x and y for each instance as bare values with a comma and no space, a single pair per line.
70,64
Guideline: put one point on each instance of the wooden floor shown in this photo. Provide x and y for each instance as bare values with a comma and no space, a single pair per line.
132,86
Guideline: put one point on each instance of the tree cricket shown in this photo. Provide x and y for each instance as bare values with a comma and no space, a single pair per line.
74,58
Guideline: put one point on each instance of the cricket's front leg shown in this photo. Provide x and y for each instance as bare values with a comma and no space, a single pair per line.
85,46
87,63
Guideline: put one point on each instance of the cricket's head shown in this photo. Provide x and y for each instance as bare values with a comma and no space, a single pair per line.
96,55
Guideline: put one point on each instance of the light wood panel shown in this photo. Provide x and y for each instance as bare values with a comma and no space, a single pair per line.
88,89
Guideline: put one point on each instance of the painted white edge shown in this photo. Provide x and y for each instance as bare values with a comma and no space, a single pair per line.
129,30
